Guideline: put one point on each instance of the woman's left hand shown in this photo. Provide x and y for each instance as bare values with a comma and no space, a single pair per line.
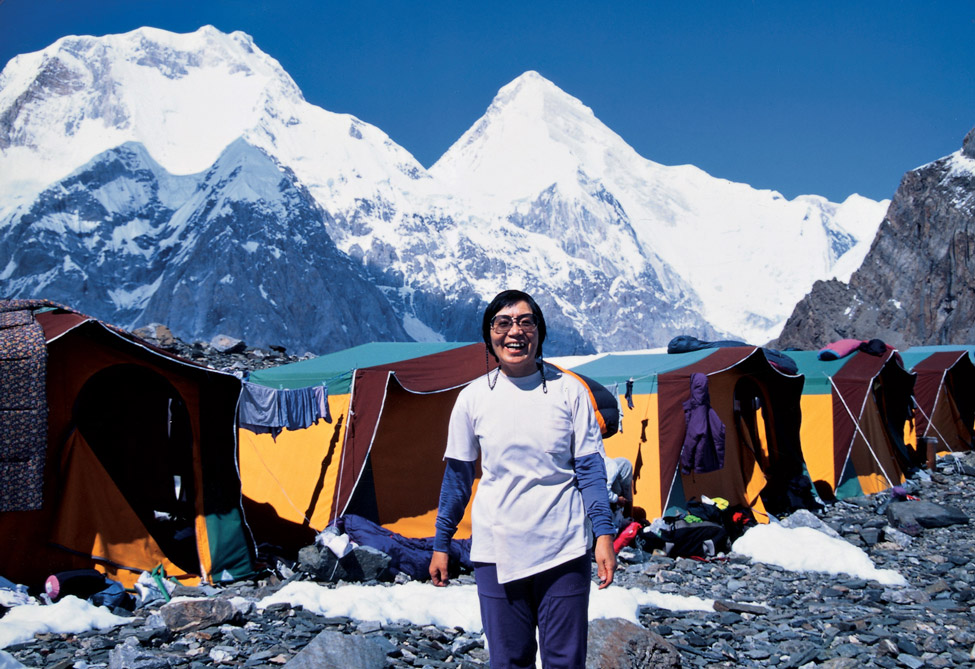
605,560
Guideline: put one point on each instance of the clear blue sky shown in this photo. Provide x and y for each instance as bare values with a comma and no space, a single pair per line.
829,98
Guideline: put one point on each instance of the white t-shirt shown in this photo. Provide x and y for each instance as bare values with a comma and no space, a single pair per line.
528,513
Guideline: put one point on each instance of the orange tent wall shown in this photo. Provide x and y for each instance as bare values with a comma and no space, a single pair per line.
834,444
94,518
816,436
289,481
653,431
639,442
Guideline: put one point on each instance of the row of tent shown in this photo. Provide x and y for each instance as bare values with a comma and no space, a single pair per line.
142,461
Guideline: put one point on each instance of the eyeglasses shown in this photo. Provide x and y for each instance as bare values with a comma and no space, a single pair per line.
501,324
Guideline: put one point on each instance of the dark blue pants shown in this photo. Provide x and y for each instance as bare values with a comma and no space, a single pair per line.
555,601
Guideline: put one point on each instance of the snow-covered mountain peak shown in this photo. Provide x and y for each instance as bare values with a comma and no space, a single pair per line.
184,96
533,135
532,96
539,149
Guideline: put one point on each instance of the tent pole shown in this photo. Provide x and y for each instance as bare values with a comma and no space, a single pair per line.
856,424
941,436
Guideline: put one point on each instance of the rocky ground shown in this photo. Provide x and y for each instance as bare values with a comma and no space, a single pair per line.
223,352
764,616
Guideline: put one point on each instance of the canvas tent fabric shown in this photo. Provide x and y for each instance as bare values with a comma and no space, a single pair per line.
139,462
335,369
853,415
758,404
944,395
382,456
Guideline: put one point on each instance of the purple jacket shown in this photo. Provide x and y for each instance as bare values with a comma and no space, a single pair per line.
703,449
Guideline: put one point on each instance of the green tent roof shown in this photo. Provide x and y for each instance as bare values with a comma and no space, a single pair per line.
335,369
643,368
816,371
916,354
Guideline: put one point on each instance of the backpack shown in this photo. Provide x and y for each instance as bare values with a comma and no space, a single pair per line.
704,539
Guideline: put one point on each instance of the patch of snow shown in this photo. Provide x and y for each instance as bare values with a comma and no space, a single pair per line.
134,298
456,605
805,549
419,330
70,615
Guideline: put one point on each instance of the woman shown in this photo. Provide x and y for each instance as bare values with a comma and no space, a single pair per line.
536,434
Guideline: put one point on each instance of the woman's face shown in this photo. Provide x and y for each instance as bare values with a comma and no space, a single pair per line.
517,347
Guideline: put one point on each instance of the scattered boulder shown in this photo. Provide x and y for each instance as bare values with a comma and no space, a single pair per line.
193,614
156,333
227,344
615,643
724,605
806,518
362,563
960,463
129,655
334,650
924,514
232,355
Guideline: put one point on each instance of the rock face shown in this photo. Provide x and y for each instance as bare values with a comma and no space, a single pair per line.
917,283
363,563
193,614
241,248
924,514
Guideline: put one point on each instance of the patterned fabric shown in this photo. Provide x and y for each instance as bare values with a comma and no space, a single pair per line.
23,405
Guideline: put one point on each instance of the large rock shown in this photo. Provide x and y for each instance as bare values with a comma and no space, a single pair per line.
156,333
806,518
194,614
615,643
227,344
334,650
925,514
362,563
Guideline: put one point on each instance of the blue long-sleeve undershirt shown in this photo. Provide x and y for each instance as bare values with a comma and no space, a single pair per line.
591,480
455,493
458,479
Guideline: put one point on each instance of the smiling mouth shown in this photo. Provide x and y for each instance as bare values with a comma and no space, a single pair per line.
515,346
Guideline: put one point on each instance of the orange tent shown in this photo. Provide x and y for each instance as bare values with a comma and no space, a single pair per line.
944,397
135,458
758,405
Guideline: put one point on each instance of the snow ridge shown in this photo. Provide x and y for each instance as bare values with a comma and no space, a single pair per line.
539,194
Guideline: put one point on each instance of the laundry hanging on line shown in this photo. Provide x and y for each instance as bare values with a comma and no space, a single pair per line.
264,410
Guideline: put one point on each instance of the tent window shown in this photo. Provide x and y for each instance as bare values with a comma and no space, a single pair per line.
138,426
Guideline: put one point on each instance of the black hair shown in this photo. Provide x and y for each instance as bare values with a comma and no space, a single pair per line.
505,299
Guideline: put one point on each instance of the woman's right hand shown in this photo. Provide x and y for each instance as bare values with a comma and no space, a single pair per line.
438,568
